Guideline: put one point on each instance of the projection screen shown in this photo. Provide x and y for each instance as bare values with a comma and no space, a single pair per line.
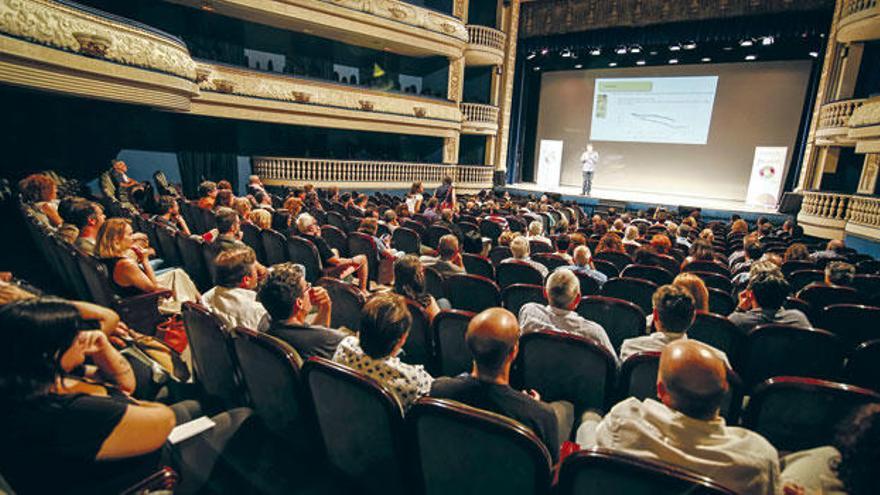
685,130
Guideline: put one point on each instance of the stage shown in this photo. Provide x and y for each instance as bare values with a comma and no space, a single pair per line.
637,200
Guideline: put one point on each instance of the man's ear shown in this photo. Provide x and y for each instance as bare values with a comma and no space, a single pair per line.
575,303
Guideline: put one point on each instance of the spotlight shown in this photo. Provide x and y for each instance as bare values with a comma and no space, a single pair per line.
674,47
612,64
673,61
544,51
565,53
689,45
746,42
635,49
596,51
814,54
727,48
652,52
640,62
705,59
751,57
537,68
531,55
579,66
620,50
768,40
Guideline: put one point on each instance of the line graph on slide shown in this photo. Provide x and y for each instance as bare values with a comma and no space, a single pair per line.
653,110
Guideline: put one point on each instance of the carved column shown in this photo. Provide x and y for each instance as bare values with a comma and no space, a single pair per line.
450,148
868,182
848,72
460,9
825,163
455,88
510,25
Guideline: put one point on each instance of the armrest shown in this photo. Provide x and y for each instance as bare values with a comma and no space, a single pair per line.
141,312
163,480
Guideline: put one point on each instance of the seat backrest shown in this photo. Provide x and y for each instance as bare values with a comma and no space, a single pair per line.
434,283
435,232
599,471
337,220
517,272
471,292
868,287
820,296
274,245
209,256
97,280
621,319
868,267
491,230
715,281
619,260
514,296
792,266
863,365
551,260
168,245
589,285
348,301
635,290
301,250
796,413
515,224
707,266
250,235
369,451
478,265
415,226
669,263
781,350
564,366
419,346
360,243
802,278
271,371
721,302
854,323
212,355
336,238
74,276
448,329
608,268
498,254
656,274
464,450
190,248
720,333
406,240
638,376
537,247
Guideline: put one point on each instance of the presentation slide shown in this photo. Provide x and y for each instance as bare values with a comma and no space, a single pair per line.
675,110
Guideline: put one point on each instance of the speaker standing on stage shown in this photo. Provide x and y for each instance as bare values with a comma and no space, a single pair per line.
589,160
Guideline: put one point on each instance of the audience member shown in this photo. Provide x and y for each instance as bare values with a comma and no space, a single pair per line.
414,198
449,260
684,428
493,340
228,230
124,184
661,243
385,323
796,252
839,273
169,215
223,199
536,233
700,250
88,217
288,300
255,185
261,218
40,192
234,298
610,243
582,262
409,281
309,229
243,207
207,195
681,238
631,236
445,194
834,250
519,250
762,300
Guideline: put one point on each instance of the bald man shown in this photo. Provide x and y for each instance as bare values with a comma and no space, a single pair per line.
835,250
685,429
493,339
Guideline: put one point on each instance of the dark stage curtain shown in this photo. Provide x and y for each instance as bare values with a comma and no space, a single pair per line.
196,166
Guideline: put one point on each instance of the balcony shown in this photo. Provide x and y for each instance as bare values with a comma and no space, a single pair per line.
390,25
80,51
485,46
238,93
859,21
833,128
479,119
833,215
367,174
864,126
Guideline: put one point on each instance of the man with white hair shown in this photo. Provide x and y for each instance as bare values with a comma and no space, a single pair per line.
254,185
563,292
536,233
308,228
583,263
519,248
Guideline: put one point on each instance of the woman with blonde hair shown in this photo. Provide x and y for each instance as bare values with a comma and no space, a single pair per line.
129,269
631,235
739,226
708,235
261,218
696,287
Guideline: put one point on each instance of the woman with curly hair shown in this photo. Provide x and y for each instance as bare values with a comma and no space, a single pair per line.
610,243
40,192
796,252
661,243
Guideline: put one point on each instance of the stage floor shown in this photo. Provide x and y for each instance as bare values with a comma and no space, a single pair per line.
650,199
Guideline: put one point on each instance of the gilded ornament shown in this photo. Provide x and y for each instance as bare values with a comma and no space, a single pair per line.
91,44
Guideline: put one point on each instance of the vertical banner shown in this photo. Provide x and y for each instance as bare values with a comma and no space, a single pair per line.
766,181
549,164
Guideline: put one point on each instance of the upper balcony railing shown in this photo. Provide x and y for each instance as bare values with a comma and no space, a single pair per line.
826,205
364,173
478,118
859,21
836,115
864,210
485,45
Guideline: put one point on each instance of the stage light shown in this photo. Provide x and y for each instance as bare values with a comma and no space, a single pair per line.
596,51
814,54
531,55
689,45
727,48
635,49
751,57
579,66
565,53
652,52
537,68
746,42
640,62
612,64
674,47
768,40
620,50
544,51
673,61
705,59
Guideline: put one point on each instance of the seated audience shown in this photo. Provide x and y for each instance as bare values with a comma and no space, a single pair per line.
700,250
610,243
243,207
124,184
848,466
835,249
681,237
754,252
839,273
207,195
288,300
255,185
493,340
261,218
445,194
389,219
707,235
169,215
563,245
40,193
796,252
263,201
519,250
308,228
228,230
684,428
661,243
414,198
88,217
762,300
582,262
448,261
409,281
631,236
234,298
431,212
224,198
385,322
563,294
536,233
446,217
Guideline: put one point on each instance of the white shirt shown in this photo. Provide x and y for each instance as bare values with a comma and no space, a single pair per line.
534,264
235,307
589,160
412,201
734,457
815,470
656,342
534,317
407,381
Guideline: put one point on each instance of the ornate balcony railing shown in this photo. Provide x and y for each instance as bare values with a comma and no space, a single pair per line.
487,37
361,173
478,112
864,210
826,205
853,7
859,21
836,115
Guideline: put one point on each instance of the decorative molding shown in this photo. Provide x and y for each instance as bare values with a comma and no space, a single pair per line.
868,181
833,125
868,114
83,31
567,16
450,149
859,21
455,87
485,46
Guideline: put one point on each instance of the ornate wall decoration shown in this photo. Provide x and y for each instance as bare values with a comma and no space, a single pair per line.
456,74
866,115
568,16
59,25
407,14
869,174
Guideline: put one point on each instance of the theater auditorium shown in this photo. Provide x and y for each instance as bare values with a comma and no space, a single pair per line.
436,247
